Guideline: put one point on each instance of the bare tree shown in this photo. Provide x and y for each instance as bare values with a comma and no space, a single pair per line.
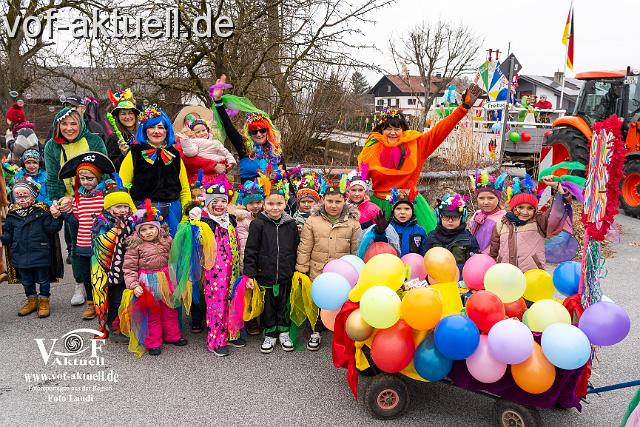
441,52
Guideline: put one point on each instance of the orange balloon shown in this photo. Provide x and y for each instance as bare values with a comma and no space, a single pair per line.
440,264
536,374
421,308
329,318
433,281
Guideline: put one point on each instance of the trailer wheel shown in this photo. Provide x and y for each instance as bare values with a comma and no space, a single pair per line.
510,414
387,397
571,145
630,187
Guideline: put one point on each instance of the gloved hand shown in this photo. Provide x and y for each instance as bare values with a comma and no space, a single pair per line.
381,223
470,95
195,214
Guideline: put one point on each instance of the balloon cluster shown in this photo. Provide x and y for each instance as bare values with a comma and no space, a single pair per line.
517,137
422,330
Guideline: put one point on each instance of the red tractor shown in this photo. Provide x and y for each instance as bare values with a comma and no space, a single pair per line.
604,93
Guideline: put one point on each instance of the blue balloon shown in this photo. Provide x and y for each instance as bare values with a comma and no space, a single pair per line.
430,364
566,277
566,346
496,127
330,290
457,337
357,262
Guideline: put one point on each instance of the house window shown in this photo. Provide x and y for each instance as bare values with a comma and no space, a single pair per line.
388,88
380,102
389,102
411,101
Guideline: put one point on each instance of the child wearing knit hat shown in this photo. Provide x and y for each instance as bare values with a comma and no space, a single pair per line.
518,238
31,166
307,196
488,191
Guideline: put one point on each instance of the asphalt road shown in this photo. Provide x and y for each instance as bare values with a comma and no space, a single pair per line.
191,385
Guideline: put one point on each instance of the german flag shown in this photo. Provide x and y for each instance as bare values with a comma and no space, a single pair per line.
567,38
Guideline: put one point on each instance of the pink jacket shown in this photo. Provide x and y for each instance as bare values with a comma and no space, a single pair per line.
243,233
143,255
210,149
368,211
481,226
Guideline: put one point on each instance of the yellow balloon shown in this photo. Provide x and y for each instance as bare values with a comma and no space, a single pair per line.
450,297
380,307
506,281
357,329
440,264
539,285
381,270
546,312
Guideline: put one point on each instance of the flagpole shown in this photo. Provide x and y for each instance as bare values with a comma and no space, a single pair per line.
566,57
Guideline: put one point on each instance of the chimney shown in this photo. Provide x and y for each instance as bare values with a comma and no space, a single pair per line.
557,77
405,72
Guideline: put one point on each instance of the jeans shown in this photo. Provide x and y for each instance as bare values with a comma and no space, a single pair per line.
84,268
31,276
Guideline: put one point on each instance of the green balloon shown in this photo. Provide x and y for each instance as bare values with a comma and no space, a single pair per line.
514,136
525,317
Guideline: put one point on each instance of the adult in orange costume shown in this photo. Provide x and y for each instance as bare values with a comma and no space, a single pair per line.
396,155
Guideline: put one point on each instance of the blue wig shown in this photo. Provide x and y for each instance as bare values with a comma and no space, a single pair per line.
141,133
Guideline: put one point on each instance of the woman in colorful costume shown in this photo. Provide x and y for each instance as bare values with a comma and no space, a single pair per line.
396,155
124,121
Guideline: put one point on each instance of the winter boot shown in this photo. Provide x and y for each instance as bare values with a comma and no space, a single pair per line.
89,311
30,305
43,307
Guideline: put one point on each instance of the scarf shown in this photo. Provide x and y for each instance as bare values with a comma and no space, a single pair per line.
390,156
481,216
446,236
222,220
512,218
265,154
23,212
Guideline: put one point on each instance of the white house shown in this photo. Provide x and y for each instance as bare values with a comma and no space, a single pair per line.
404,92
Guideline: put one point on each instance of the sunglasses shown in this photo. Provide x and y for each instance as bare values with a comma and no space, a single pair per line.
257,131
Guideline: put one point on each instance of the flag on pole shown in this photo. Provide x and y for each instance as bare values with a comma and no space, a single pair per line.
567,38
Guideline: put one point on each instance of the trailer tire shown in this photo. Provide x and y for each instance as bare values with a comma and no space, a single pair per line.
511,414
387,397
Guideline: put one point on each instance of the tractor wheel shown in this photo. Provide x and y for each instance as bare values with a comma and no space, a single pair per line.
630,187
571,145
387,397
510,414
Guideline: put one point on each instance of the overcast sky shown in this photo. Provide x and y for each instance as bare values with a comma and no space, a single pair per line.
607,34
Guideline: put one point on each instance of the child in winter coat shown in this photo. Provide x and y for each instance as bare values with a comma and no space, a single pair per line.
519,237
109,233
202,144
31,166
411,235
331,232
21,134
451,230
488,191
358,186
146,263
307,197
88,169
270,259
252,195
29,230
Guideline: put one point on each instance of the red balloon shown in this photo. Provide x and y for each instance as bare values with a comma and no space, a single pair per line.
547,134
485,309
525,136
516,308
392,348
377,248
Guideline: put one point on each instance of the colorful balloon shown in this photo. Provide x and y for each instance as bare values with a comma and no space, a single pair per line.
483,366
605,323
525,136
380,307
566,277
440,264
377,248
330,290
546,312
514,136
355,261
485,309
382,270
456,337
516,309
539,285
356,328
392,349
329,318
450,297
536,374
474,270
429,362
421,308
343,268
433,281
416,262
506,281
566,346
510,341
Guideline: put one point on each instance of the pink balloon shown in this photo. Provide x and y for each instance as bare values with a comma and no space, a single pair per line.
474,270
343,268
416,261
483,366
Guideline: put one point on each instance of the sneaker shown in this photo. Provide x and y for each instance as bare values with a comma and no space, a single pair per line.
314,341
155,351
268,344
181,342
285,341
195,329
220,352
78,295
239,343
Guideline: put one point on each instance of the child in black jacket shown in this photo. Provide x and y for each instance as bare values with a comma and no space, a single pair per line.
29,231
270,258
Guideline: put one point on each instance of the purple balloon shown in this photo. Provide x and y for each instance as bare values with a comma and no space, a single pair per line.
343,268
605,323
510,341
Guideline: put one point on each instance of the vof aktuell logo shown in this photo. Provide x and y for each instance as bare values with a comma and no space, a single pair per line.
75,348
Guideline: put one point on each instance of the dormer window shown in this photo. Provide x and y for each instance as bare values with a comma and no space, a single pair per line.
388,88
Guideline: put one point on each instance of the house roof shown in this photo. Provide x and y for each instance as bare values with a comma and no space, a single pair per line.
571,86
407,84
